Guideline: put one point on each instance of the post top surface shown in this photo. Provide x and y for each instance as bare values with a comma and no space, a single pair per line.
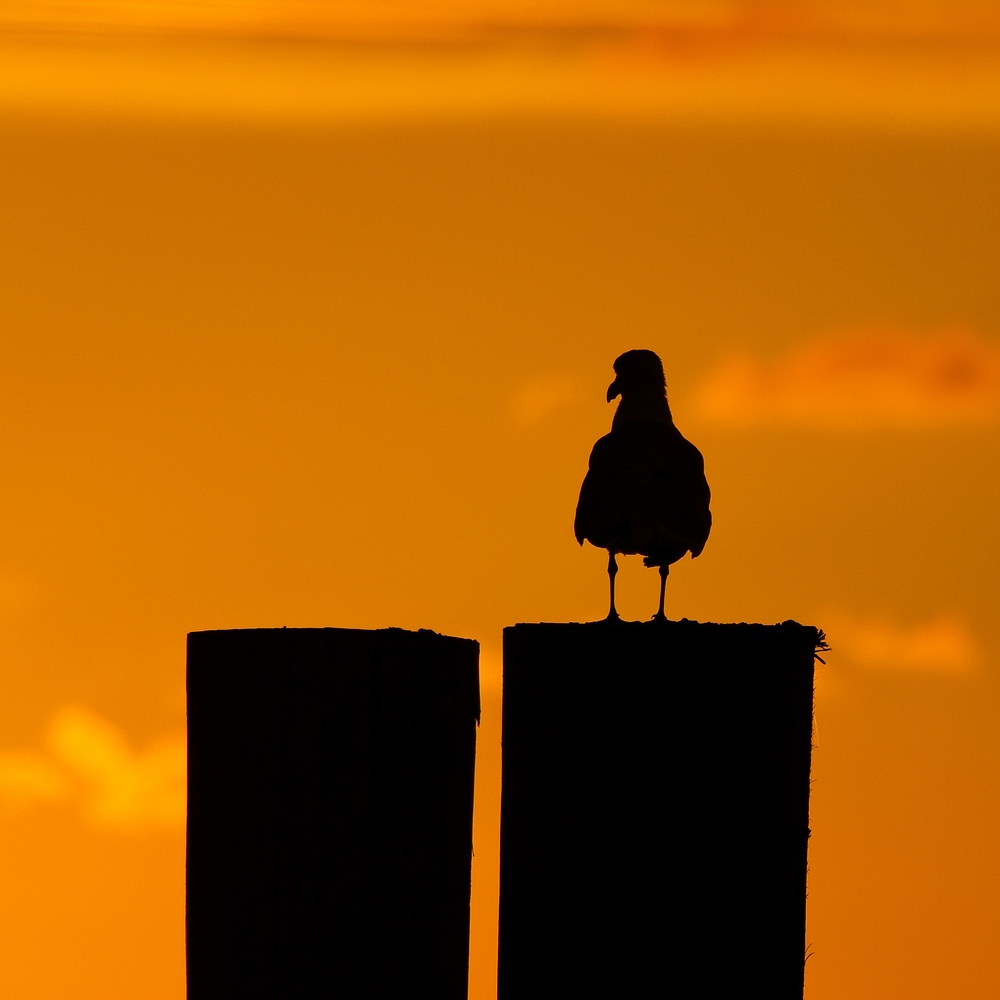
722,638
685,625
331,631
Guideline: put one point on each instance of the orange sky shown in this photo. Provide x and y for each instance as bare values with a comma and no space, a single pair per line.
300,334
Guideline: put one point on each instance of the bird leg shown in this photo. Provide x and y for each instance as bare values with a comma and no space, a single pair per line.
660,616
612,571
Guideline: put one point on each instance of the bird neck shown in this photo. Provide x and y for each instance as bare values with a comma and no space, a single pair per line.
642,408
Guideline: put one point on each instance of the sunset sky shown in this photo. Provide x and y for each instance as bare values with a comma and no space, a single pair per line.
308,314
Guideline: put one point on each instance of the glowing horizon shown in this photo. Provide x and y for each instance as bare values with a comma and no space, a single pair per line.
750,21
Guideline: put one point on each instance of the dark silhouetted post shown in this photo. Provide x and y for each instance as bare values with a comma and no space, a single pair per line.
329,813
655,810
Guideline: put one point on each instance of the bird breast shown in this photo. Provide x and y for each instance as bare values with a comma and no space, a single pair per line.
645,493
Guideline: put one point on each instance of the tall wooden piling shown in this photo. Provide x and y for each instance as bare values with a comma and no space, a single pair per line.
655,810
329,813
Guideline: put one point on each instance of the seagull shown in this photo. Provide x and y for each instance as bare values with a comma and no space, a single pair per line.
645,492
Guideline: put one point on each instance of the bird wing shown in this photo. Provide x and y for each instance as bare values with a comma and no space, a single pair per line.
595,509
691,497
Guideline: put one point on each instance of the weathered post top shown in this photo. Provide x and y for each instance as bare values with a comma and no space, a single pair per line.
655,810
330,784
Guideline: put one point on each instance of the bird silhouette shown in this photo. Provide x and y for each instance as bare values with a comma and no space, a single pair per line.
645,492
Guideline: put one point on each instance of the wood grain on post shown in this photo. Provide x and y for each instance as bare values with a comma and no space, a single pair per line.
655,810
329,813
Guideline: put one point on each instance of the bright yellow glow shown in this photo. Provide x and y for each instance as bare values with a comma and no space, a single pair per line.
794,82
907,19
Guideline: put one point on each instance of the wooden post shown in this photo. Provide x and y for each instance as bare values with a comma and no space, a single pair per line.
329,813
654,813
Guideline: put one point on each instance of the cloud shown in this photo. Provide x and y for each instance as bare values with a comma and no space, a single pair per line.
942,645
539,398
87,763
471,19
868,378
28,778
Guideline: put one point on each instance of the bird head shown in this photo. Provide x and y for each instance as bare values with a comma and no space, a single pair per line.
638,374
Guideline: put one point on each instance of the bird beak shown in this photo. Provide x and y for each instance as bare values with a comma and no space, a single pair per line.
613,391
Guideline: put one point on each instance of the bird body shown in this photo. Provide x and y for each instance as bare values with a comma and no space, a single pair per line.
645,492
